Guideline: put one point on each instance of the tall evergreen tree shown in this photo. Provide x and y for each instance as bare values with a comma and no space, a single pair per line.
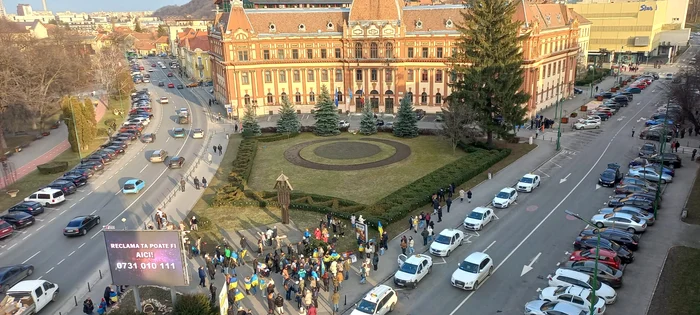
406,125
289,121
326,115
90,129
368,124
488,66
137,27
78,129
251,128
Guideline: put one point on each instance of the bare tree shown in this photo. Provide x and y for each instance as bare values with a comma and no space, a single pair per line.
686,93
458,124
106,64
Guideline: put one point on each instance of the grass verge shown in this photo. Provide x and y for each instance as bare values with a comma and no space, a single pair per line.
677,292
156,296
693,205
34,180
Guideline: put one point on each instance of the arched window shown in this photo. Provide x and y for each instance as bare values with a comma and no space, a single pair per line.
424,98
284,96
373,51
389,50
438,98
246,99
312,97
409,96
358,50
297,98
270,99
340,96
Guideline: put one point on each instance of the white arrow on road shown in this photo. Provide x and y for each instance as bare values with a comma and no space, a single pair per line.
527,268
597,186
561,181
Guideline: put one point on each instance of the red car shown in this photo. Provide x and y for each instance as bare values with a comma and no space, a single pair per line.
170,74
5,229
140,67
606,257
153,65
170,85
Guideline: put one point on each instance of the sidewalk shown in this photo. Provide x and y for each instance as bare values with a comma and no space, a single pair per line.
44,150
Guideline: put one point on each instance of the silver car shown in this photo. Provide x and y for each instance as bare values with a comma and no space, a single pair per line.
540,307
644,215
649,174
626,221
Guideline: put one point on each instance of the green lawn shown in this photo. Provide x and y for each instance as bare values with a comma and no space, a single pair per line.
365,186
693,205
677,292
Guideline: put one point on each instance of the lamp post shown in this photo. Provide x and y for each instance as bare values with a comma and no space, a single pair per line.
558,109
597,253
619,66
661,166
75,129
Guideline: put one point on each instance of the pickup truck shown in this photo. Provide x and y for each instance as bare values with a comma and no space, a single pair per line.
28,297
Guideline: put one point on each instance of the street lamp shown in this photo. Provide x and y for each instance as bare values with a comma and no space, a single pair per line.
75,129
597,253
661,166
558,109
124,221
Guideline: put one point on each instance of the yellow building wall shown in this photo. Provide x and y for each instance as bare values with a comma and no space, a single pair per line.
617,24
190,63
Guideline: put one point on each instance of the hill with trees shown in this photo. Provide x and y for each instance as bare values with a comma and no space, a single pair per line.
195,9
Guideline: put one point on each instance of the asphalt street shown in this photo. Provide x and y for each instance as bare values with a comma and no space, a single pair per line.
68,261
536,232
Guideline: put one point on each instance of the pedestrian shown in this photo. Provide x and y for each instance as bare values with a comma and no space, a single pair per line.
363,274
682,133
404,245
88,306
196,183
425,236
193,224
449,204
235,128
415,224
411,243
336,300
695,151
375,261
439,213
270,302
212,291
596,89
410,223
202,277
346,268
204,182
469,196
430,232
678,145
385,240
102,308
108,296
182,184
214,147
220,149
632,131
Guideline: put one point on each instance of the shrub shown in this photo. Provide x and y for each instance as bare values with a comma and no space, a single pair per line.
102,133
243,164
193,304
52,167
276,137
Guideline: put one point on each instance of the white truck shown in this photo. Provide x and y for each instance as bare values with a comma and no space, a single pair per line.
28,297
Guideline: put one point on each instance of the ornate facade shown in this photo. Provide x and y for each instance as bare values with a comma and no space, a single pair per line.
371,54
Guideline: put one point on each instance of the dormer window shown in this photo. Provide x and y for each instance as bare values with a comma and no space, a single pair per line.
419,24
329,25
302,27
272,27
449,23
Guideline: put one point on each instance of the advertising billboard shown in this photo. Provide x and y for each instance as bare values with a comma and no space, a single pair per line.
145,257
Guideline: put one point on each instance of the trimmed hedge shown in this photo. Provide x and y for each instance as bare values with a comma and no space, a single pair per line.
417,194
276,137
243,164
52,167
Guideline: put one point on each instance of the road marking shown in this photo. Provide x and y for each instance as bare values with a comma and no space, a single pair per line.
81,245
167,139
91,192
543,173
40,278
13,245
487,247
28,235
41,227
93,212
47,272
73,205
550,213
145,166
117,193
64,211
98,233
62,260
81,199
71,253
528,268
440,263
561,181
26,260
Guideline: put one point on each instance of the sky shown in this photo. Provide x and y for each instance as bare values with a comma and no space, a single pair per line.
92,5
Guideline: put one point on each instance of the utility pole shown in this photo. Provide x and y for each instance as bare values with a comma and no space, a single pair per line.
594,277
661,167
619,66
559,110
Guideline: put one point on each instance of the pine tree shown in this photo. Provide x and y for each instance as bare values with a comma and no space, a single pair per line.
326,115
488,66
90,128
251,128
137,27
289,121
368,124
76,123
406,125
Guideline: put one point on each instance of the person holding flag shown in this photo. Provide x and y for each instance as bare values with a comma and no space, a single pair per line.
382,241
335,99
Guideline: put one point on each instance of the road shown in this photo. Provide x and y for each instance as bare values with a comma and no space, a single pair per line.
537,233
67,261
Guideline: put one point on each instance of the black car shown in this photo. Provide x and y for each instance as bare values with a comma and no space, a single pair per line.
176,162
629,189
116,149
95,164
81,225
119,143
654,134
603,115
643,204
128,135
611,176
606,94
621,237
94,158
18,220
28,207
647,150
669,159
588,242
81,171
612,104
11,275
78,180
621,99
66,186
180,87
118,138
161,83
578,91
111,152
639,182
134,133
606,274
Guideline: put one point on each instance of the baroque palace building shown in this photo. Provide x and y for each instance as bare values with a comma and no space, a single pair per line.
373,53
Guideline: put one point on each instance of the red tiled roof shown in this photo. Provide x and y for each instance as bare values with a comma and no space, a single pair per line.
371,10
144,45
162,40
201,42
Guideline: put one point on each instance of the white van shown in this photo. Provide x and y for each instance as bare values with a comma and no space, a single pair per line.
32,295
379,301
47,196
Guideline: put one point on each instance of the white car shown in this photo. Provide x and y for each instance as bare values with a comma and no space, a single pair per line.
343,124
163,67
574,295
478,218
539,307
164,100
587,124
596,118
565,277
528,183
47,196
412,270
472,271
197,133
505,198
146,80
446,242
150,70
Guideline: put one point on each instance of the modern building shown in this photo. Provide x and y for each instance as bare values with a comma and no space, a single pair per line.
193,55
25,13
634,31
371,54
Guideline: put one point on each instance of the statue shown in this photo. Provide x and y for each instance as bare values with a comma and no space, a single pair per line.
283,188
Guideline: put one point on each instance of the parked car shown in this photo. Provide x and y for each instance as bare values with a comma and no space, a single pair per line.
644,215
540,307
629,189
610,176
647,150
528,183
604,256
631,223
566,277
29,207
669,159
577,296
639,182
622,237
505,197
412,270
606,274
81,171
78,180
649,174
472,270
588,242
67,187
654,134
478,218
18,220
446,242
